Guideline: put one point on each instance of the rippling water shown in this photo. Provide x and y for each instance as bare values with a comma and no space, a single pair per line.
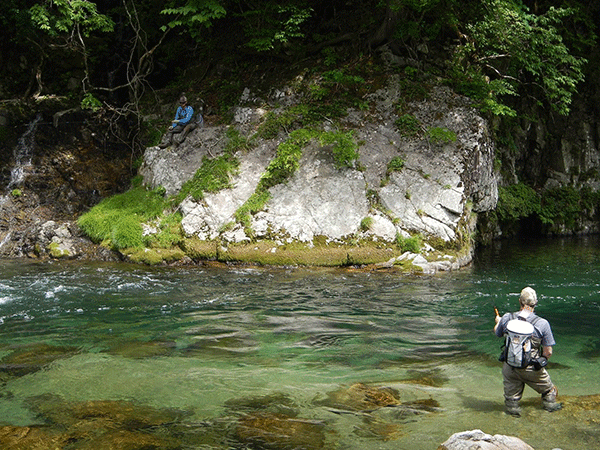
204,340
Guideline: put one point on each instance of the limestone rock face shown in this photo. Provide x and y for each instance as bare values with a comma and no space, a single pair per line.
442,182
478,440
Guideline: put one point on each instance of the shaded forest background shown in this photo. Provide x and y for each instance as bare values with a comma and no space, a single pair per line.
124,63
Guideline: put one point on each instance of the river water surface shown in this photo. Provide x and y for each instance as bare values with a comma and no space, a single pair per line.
221,343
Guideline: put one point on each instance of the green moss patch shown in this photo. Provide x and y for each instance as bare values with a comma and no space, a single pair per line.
200,250
303,254
154,256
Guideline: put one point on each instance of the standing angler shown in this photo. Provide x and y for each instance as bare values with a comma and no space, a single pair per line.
529,342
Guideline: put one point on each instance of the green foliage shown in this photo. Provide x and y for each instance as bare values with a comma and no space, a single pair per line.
559,207
237,141
411,244
254,204
287,160
169,232
58,17
126,232
565,205
345,148
274,24
90,102
510,49
396,164
440,136
212,176
16,193
194,15
336,85
408,125
116,221
366,224
517,201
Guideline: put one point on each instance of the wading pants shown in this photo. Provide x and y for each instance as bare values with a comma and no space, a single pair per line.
516,379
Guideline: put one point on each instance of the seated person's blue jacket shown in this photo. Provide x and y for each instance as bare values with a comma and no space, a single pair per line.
183,115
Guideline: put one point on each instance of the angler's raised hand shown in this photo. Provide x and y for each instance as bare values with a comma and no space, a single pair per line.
497,318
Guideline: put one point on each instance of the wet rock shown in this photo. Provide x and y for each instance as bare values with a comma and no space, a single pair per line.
277,403
31,358
433,378
478,440
361,397
227,343
105,424
379,409
375,428
120,414
30,438
139,349
265,430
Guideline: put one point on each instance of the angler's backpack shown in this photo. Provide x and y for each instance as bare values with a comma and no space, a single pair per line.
517,348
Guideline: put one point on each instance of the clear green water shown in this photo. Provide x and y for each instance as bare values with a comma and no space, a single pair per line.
198,339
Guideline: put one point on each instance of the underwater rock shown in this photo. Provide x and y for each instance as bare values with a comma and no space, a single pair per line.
277,403
98,425
31,358
478,440
226,343
432,378
279,432
120,414
375,428
139,349
29,438
360,397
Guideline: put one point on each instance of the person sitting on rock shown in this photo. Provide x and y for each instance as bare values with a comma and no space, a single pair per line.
183,117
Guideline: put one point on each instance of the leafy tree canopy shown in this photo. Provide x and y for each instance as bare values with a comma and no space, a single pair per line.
511,51
506,48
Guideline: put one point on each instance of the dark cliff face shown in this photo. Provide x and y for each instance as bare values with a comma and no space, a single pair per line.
70,165
66,166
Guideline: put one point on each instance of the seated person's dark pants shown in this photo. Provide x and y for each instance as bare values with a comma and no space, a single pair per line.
186,130
169,137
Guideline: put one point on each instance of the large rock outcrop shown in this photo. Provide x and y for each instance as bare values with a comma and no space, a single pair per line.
441,184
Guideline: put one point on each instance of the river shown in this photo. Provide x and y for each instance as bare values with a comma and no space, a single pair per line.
220,349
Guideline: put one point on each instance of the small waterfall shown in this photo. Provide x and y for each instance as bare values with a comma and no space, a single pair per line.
23,153
6,239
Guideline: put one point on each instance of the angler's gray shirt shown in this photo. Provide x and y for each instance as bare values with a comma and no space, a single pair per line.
541,329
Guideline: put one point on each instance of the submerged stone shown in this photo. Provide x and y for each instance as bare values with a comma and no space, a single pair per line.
375,428
265,430
139,349
30,438
96,425
361,397
33,357
120,414
433,378
278,403
222,344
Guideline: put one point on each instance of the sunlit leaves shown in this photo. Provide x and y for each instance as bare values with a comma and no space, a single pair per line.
194,14
61,16
274,24
511,49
